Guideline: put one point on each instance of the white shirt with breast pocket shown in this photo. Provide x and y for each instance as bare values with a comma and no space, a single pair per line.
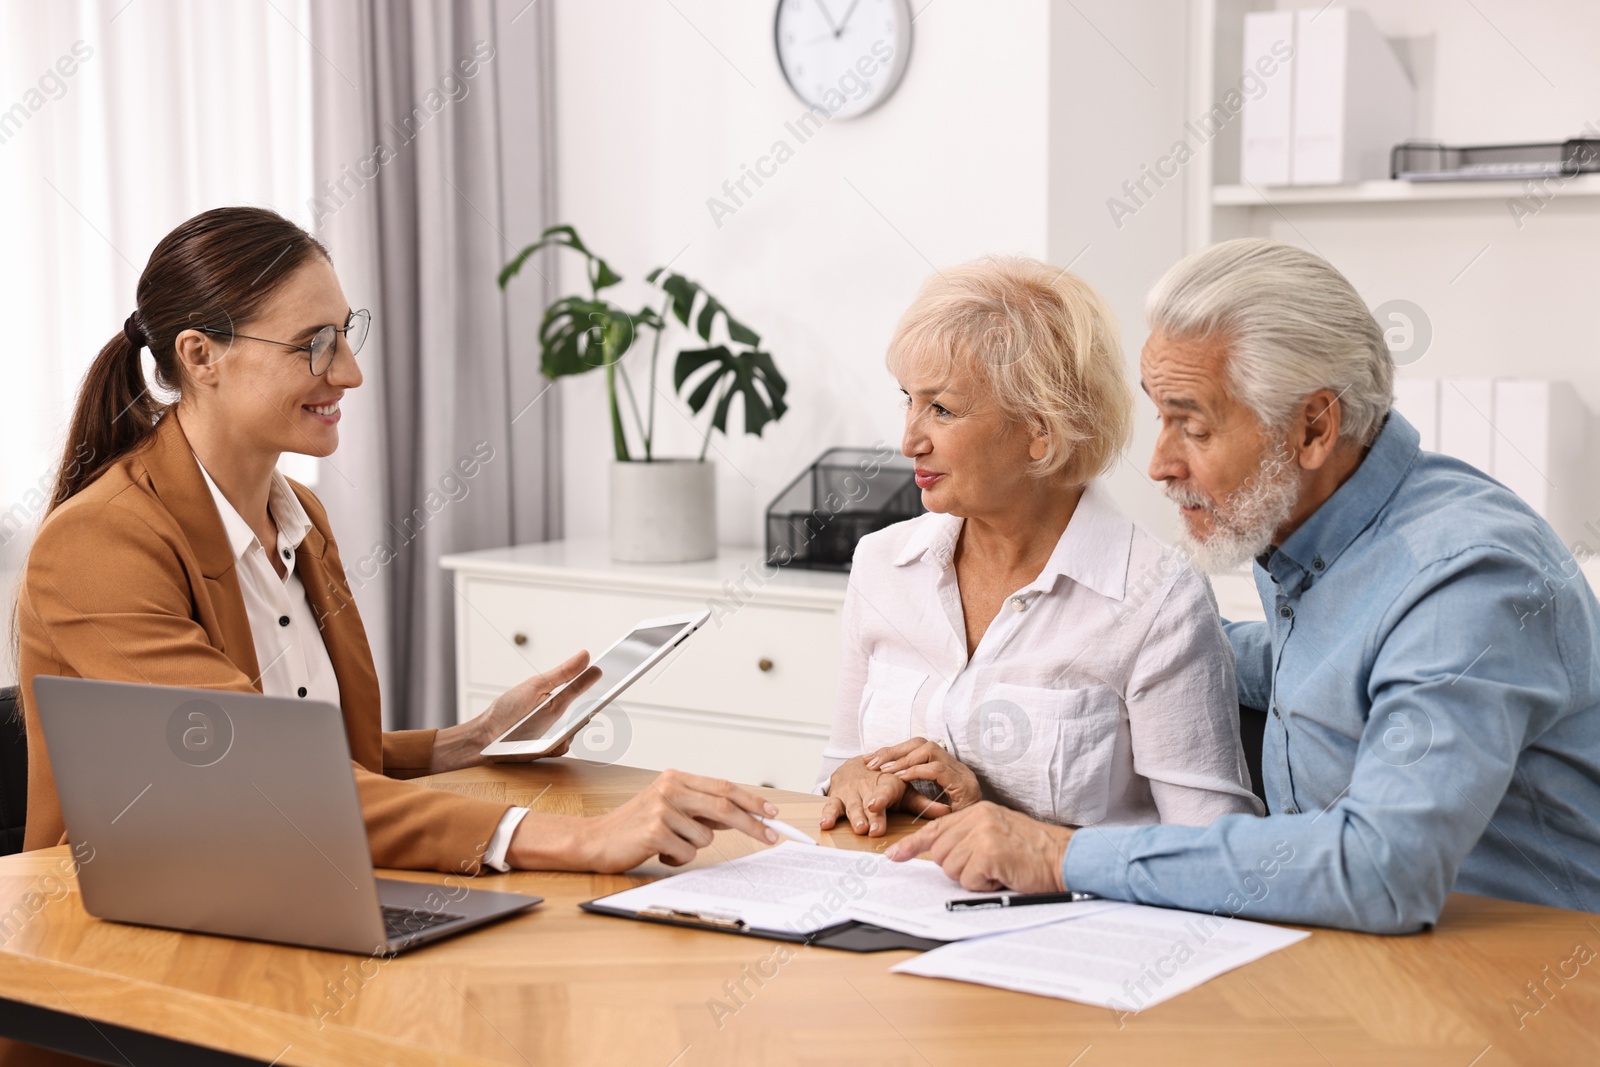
1102,693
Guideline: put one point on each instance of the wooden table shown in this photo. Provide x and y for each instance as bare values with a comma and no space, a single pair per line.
558,986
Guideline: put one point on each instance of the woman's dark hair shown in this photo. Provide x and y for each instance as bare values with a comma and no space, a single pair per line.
215,271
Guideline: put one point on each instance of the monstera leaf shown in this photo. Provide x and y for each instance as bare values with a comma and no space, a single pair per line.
748,374
684,292
601,276
579,335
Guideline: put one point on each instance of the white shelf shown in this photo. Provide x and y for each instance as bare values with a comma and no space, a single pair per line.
1379,192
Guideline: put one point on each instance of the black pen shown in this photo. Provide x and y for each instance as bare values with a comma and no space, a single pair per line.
1016,900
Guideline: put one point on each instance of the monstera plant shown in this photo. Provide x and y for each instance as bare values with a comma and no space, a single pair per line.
661,509
584,333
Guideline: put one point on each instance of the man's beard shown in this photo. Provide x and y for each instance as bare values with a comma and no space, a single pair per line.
1243,526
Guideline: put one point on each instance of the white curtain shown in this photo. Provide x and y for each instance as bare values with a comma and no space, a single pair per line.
118,121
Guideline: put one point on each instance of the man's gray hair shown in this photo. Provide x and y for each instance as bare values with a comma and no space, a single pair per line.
1292,325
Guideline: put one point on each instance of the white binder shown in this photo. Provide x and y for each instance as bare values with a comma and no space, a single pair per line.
1418,400
1541,437
1466,421
1265,125
1353,101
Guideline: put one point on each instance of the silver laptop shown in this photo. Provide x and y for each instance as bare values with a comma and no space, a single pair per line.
234,814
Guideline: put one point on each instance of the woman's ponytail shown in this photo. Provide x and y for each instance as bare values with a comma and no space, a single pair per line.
115,413
215,270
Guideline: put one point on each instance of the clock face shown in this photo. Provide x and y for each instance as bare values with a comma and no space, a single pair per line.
843,56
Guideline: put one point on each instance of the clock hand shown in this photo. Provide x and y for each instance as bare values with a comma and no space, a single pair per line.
846,20
823,5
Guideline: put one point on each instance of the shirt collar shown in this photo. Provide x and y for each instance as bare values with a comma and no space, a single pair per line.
1093,550
290,517
1354,506
935,536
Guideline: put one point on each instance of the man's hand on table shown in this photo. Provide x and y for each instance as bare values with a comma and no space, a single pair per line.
987,847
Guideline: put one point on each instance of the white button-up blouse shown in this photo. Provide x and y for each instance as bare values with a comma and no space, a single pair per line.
1102,693
290,653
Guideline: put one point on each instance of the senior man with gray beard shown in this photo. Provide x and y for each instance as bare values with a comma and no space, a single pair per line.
1430,659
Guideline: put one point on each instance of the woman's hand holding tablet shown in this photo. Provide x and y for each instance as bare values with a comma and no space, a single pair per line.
673,818
547,725
462,745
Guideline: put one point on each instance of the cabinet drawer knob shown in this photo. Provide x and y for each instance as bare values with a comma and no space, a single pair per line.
519,639
764,663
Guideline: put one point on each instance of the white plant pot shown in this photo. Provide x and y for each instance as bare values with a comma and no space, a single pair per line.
664,511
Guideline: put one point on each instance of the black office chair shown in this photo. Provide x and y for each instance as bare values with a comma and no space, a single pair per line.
1252,729
13,773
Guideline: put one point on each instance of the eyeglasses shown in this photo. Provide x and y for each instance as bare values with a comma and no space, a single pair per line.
320,351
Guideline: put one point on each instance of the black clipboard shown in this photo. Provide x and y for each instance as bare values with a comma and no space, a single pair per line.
850,935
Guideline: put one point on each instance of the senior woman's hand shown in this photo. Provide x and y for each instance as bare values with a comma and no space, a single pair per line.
864,796
922,760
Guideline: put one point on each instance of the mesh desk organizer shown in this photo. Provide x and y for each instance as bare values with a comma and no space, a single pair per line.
817,520
1422,161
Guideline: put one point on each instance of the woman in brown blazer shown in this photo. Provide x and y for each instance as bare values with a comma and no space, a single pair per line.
135,574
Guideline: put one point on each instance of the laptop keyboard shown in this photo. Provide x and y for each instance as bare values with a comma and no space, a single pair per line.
400,923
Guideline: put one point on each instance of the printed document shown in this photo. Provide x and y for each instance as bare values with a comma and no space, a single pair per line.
803,888
1126,958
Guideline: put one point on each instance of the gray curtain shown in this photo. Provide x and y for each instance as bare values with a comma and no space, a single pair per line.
433,127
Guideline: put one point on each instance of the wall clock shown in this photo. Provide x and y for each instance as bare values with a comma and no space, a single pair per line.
843,56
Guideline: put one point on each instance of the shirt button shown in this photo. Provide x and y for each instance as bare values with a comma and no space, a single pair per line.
1275,714
286,553
1317,564
302,690
1291,810
283,620
1285,612
1018,604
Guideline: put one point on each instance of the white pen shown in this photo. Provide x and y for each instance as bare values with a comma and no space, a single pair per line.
786,830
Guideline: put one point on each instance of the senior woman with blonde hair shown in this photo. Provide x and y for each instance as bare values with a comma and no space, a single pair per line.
1025,642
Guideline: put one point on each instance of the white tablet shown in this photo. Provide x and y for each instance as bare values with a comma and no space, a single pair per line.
567,710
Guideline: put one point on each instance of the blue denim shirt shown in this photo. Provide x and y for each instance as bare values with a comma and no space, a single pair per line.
1431,665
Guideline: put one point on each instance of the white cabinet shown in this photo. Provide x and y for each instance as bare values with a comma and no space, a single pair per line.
749,697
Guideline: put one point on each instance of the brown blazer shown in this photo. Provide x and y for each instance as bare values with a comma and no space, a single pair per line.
133,580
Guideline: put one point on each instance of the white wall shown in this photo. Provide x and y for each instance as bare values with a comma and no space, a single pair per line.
1013,126
652,120
1117,83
